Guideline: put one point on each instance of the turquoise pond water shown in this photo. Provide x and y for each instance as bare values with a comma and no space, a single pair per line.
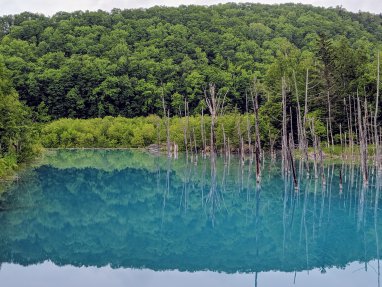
129,218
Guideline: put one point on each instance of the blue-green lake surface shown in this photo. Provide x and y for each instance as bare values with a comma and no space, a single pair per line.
130,218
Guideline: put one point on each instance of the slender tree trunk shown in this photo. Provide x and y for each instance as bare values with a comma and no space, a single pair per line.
342,149
284,126
351,135
185,129
195,146
292,166
202,129
258,151
327,134
167,121
225,147
255,103
315,147
291,141
330,120
304,124
363,144
300,132
215,105
377,152
248,128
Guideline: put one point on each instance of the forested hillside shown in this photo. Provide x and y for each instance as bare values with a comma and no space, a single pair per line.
17,133
94,64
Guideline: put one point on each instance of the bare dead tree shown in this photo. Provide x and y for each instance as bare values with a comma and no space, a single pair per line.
356,126
327,133
366,121
255,102
225,146
166,114
284,143
304,123
291,160
342,147
258,152
376,137
315,146
185,131
215,103
248,127
330,119
300,132
195,146
362,142
351,134
347,135
291,137
202,130
241,142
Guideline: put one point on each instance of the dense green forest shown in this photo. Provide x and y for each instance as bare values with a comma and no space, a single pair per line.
131,63
94,64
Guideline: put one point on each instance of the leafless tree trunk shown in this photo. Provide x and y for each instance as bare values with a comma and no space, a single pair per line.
315,147
215,104
330,120
355,120
291,140
291,160
351,134
376,143
166,114
241,143
327,133
300,132
248,127
202,129
304,123
225,147
342,148
258,151
362,141
185,128
284,143
195,146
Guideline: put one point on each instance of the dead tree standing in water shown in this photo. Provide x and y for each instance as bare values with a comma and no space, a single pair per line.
362,142
376,137
215,104
258,151
284,143
166,114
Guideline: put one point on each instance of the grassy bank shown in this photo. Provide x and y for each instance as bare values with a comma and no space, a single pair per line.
140,132
8,165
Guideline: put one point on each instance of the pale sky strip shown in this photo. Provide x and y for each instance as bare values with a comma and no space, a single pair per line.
49,7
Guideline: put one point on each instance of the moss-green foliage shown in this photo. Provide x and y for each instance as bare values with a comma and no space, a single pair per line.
119,132
106,132
8,164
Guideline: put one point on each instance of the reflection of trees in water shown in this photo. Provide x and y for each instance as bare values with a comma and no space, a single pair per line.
175,214
376,201
357,202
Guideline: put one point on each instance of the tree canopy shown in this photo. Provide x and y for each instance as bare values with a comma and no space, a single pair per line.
94,64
